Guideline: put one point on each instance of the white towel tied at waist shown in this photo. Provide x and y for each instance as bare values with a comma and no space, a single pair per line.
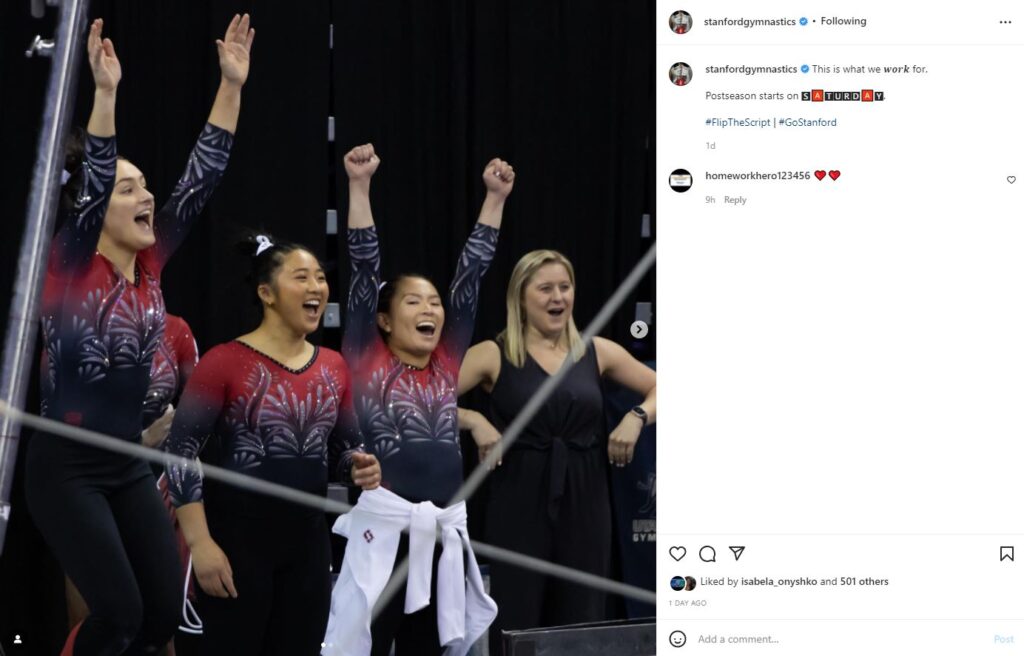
373,528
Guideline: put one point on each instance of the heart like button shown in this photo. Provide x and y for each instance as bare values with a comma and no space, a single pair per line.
1011,179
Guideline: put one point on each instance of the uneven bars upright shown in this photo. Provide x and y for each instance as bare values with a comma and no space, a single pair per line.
35,245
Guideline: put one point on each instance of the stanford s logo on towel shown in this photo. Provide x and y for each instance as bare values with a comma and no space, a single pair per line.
368,535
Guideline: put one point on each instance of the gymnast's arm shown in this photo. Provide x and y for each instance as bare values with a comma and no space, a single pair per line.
233,54
196,418
364,256
75,244
345,454
209,157
464,293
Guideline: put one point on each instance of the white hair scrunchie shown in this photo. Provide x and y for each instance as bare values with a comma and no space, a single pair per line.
264,243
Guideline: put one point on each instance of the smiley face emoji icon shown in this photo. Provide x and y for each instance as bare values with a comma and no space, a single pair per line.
677,639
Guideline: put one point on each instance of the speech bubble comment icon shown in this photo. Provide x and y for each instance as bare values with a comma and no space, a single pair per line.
707,554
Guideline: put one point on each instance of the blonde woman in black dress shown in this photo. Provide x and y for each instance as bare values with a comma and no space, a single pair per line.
549,499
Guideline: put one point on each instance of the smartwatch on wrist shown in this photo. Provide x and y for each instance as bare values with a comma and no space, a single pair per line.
640,412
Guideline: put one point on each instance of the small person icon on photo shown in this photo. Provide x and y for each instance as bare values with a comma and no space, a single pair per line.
680,22
681,74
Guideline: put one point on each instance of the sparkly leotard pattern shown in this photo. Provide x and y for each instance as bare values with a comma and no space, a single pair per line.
408,416
101,330
275,423
173,363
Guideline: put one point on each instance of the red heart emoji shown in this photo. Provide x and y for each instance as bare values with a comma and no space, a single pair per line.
834,175
820,175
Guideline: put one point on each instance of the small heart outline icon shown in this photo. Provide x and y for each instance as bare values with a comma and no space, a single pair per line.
1011,179
677,553
834,174
820,175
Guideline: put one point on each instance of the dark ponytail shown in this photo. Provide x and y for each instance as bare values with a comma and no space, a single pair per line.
74,178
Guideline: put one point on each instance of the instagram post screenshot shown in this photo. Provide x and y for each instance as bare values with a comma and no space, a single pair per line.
840,194
330,327
337,328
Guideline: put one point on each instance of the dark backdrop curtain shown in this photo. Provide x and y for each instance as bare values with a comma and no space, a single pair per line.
562,89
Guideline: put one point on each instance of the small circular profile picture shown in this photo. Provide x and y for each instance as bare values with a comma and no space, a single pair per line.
691,583
681,74
680,22
677,638
680,180
678,583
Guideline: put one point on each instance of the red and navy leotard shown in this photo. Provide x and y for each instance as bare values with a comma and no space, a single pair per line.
275,423
408,416
100,330
173,363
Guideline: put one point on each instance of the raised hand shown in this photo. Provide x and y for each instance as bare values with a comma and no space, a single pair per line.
499,177
106,69
233,51
365,470
360,163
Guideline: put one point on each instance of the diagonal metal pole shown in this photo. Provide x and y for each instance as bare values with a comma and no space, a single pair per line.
532,407
35,245
164,459
252,484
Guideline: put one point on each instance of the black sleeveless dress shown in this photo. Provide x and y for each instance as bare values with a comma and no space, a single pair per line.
549,499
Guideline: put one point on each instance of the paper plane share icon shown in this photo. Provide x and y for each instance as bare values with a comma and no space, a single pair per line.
737,551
